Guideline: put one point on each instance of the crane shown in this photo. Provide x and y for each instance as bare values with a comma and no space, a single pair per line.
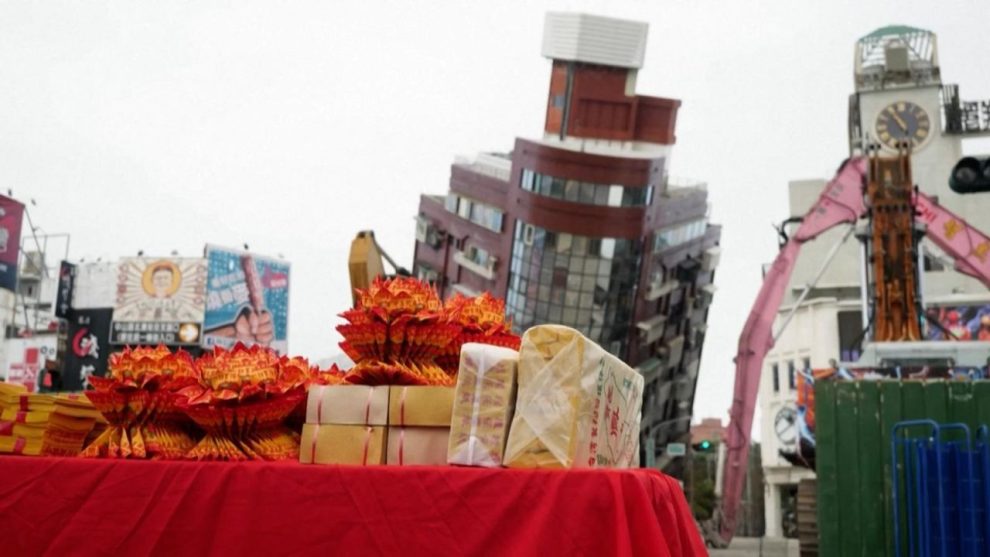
879,189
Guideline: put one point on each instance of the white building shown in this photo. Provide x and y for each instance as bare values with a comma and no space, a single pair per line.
898,94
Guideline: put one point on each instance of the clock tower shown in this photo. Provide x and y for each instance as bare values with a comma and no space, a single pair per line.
900,97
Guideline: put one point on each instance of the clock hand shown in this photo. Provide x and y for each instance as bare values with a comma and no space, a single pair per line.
900,121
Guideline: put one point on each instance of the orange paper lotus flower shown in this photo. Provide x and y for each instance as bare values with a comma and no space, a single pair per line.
390,297
330,376
243,373
395,332
138,400
398,373
482,320
145,367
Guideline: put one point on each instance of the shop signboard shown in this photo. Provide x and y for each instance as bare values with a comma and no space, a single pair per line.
86,347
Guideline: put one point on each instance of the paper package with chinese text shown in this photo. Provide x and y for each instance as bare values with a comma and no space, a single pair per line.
483,405
577,405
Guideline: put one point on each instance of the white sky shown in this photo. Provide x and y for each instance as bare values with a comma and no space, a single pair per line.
290,126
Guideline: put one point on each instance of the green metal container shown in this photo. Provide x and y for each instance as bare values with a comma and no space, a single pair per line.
853,421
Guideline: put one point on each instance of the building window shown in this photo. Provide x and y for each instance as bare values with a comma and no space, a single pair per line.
775,373
478,255
679,234
426,273
850,335
579,281
450,203
791,377
477,212
575,191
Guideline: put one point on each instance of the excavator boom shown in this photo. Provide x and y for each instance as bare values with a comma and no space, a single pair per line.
841,202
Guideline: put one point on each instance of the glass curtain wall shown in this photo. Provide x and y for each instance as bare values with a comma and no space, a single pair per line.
588,283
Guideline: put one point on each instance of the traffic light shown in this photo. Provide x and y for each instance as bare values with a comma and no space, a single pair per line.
970,175
702,447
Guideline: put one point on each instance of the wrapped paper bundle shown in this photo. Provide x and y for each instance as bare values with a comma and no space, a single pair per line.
69,425
345,424
483,405
481,320
577,406
138,401
419,425
241,399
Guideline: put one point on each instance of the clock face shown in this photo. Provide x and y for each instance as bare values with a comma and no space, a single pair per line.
785,425
903,121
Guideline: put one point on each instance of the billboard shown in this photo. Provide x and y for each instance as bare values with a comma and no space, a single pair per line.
84,348
958,322
26,357
11,213
247,300
159,301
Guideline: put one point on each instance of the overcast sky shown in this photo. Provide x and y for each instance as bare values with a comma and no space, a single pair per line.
162,126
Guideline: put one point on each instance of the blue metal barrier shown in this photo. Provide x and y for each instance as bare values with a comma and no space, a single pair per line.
944,479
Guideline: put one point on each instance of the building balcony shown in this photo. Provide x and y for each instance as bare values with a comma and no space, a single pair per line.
968,118
486,271
652,328
706,296
710,259
657,290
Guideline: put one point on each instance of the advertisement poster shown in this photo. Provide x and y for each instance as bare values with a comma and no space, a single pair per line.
963,322
26,357
159,301
11,213
66,281
247,300
86,347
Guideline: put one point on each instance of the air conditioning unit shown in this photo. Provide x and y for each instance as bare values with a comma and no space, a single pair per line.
426,232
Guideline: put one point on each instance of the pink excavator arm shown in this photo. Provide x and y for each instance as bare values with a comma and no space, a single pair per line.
840,202
967,246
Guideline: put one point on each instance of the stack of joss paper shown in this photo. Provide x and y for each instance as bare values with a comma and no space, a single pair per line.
70,424
481,320
23,420
395,334
241,399
138,398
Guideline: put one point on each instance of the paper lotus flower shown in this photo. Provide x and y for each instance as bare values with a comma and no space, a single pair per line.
395,333
398,373
138,400
244,373
482,320
241,399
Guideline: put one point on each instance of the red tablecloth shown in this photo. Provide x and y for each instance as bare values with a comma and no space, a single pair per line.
51,506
